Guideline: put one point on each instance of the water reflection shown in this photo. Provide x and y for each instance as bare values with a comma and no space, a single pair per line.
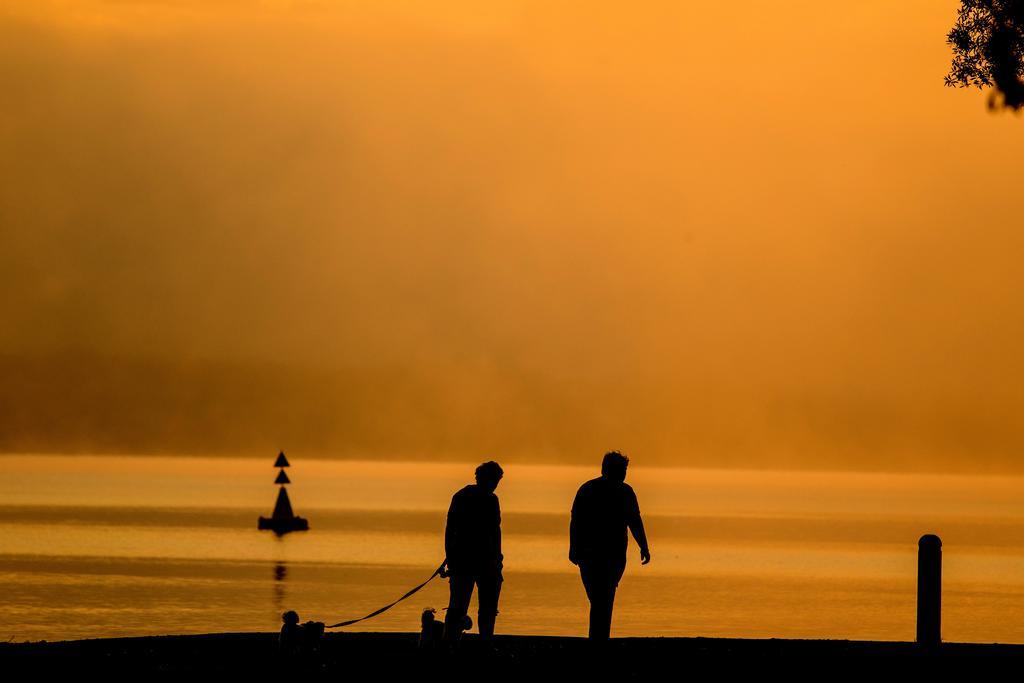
737,554
280,574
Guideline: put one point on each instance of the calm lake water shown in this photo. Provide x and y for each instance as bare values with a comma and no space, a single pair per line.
106,546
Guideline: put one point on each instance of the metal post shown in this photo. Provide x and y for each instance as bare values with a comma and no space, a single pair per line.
929,590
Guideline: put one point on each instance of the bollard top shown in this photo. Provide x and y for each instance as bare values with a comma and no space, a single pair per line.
930,541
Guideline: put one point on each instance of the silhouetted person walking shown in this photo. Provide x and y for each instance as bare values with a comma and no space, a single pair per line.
604,508
472,544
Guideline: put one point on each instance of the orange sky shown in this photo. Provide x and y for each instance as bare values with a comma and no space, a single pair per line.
749,233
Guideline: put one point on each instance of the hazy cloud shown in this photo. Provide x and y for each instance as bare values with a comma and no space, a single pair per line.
703,234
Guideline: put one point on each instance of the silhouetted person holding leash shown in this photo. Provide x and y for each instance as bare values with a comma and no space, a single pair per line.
472,544
604,508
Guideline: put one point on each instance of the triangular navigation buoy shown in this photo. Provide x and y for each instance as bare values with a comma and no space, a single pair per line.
283,508
283,520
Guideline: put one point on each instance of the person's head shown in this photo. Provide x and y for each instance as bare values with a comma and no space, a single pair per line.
488,475
614,466
290,617
428,617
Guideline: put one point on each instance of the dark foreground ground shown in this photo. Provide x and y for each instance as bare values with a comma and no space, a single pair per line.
394,656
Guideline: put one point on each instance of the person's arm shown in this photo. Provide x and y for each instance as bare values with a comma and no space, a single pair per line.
636,527
497,515
574,531
451,531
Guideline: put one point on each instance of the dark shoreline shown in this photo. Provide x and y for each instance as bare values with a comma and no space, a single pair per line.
513,657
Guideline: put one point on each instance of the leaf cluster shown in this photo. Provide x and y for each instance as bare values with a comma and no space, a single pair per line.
988,49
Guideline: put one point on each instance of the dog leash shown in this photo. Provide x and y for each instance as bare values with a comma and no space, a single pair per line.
437,572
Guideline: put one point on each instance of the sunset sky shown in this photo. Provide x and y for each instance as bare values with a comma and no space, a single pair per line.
709,234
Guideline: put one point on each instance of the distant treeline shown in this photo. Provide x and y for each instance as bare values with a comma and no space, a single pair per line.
82,402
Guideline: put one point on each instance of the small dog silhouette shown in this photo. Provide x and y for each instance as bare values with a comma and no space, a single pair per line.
432,630
299,640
